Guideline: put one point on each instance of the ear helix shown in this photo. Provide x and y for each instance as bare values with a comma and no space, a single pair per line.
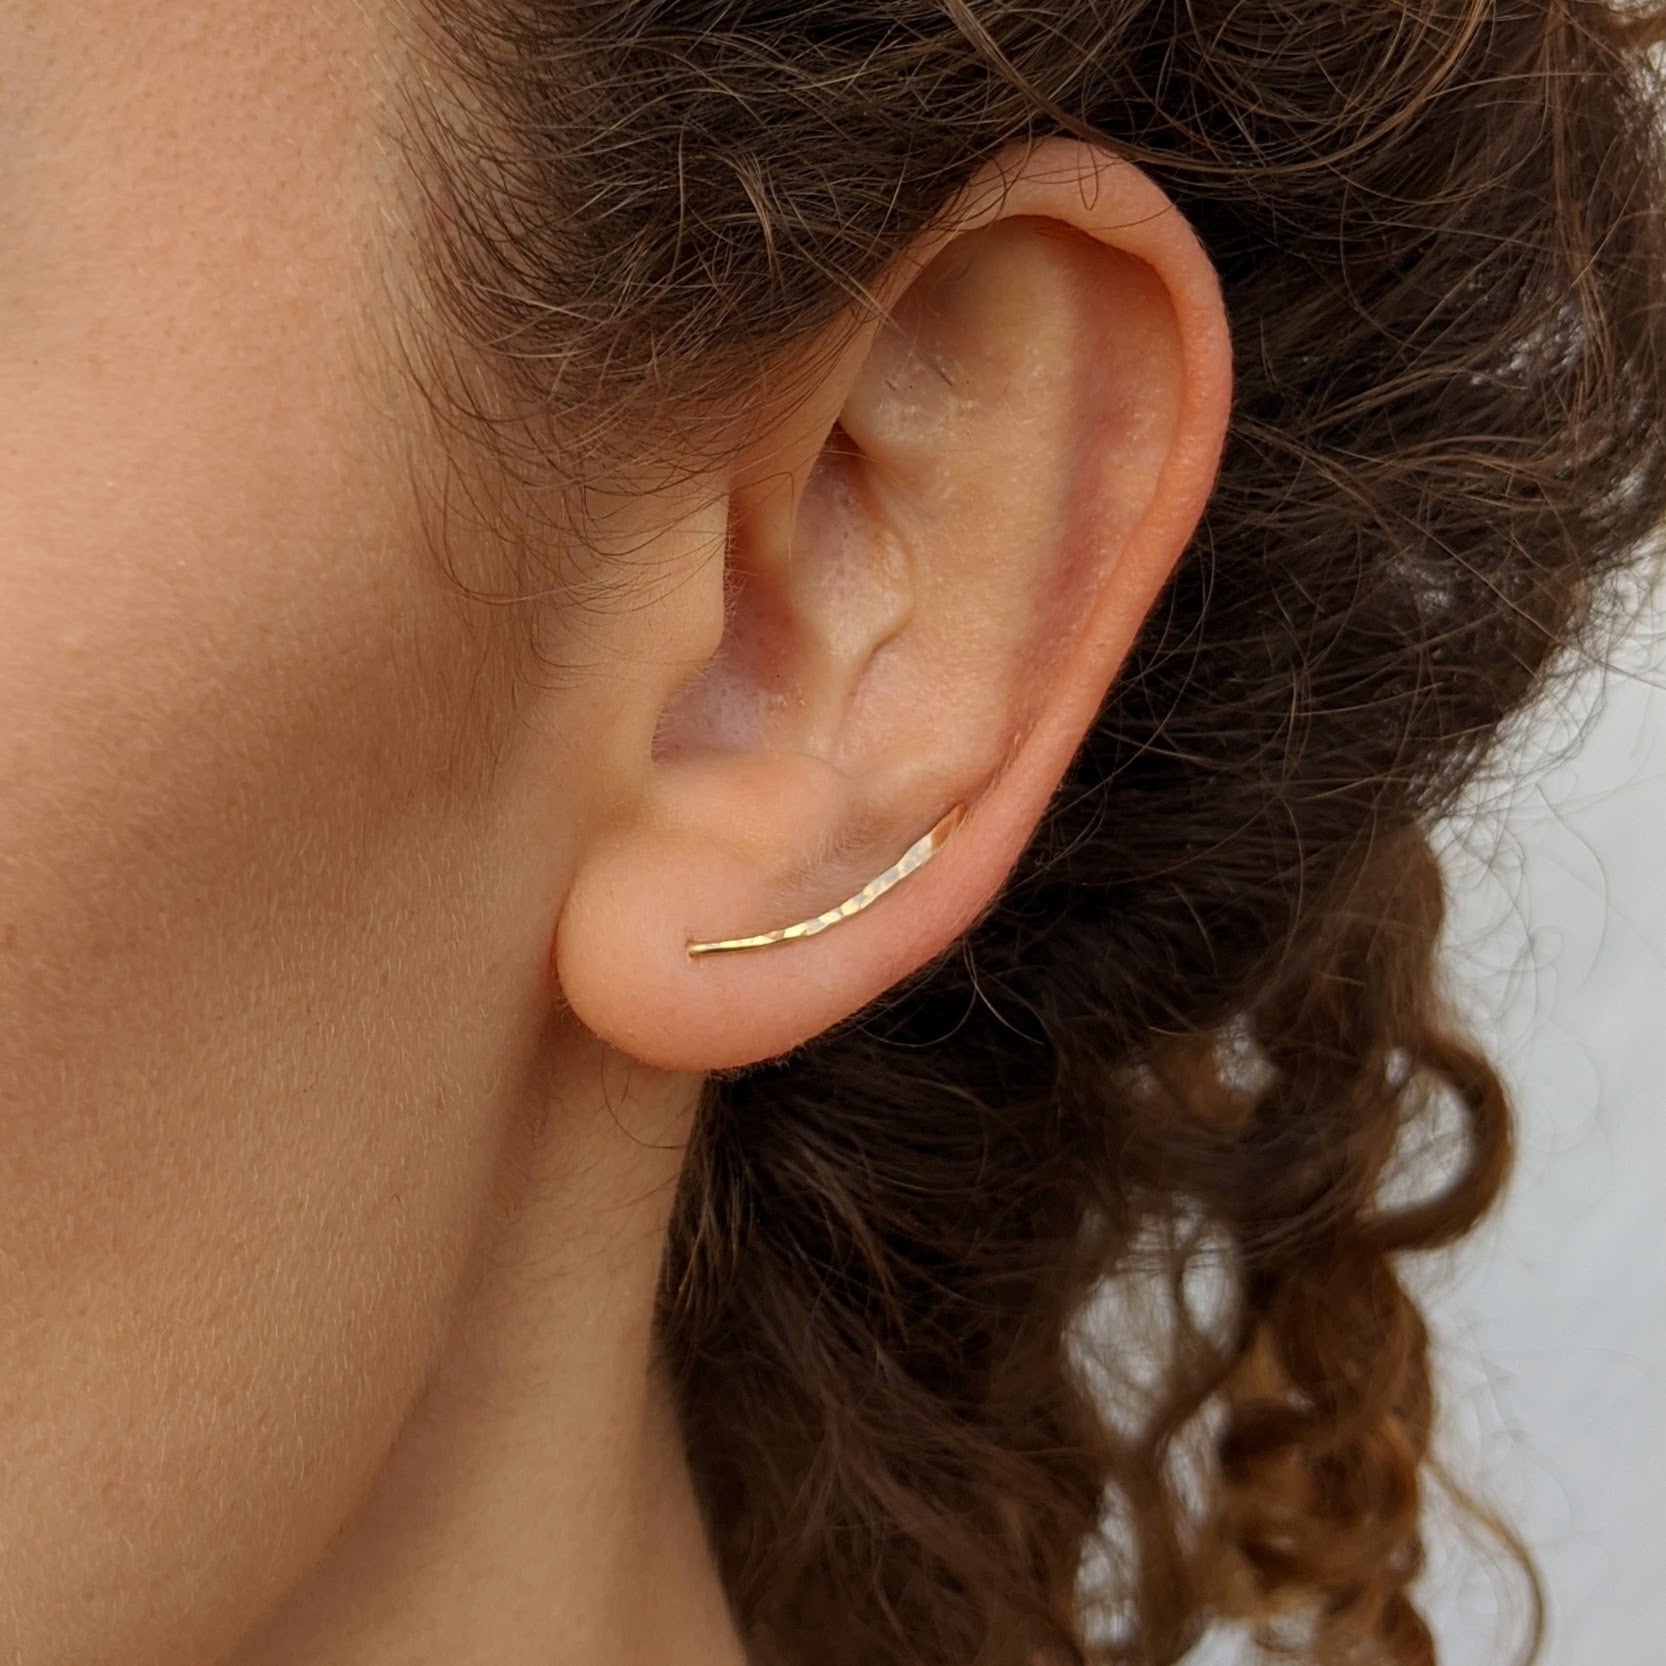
916,856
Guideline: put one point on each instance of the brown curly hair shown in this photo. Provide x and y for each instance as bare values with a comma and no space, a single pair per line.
1203,1026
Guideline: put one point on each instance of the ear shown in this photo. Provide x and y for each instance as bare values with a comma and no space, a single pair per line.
936,560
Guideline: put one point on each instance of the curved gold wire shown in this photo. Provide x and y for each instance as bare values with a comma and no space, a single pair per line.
918,853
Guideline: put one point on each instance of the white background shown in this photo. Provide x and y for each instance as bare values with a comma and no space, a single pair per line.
1553,1322
1550,1322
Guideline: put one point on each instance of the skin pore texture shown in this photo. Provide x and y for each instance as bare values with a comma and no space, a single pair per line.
342,1098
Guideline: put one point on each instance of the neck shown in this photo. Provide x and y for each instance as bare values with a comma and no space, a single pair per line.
537,1505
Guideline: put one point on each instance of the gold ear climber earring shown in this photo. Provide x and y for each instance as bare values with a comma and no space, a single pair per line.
917,854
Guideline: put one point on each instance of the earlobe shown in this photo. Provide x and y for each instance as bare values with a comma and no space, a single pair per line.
935,566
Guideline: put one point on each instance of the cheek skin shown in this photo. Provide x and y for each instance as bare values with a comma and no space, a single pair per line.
259,975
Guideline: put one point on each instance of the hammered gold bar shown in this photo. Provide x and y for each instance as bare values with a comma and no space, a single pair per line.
917,854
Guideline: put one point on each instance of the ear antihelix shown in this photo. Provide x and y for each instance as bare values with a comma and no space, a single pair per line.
916,856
